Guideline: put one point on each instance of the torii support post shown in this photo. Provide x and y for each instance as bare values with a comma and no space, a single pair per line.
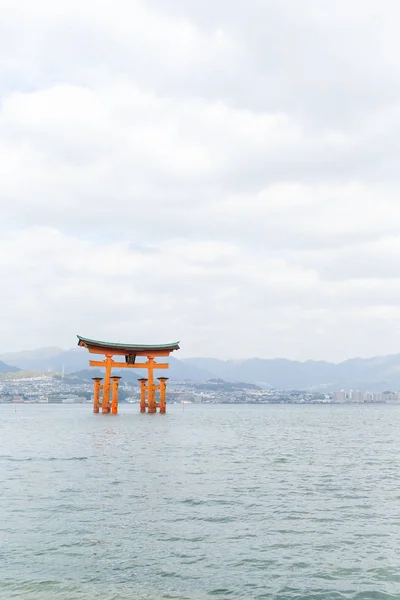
163,394
114,401
142,382
105,406
96,394
151,392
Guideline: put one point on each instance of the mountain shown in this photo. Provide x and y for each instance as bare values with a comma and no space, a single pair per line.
76,360
4,368
378,373
375,374
49,359
272,373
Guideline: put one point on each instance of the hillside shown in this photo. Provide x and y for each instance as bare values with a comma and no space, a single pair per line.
16,375
4,368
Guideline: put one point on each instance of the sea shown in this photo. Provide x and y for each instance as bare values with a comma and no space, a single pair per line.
281,502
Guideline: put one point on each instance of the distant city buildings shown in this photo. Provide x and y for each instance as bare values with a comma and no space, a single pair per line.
43,390
48,389
359,397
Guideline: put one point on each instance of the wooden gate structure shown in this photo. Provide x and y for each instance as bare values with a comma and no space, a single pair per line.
105,394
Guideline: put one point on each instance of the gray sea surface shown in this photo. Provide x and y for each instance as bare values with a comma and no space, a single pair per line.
283,502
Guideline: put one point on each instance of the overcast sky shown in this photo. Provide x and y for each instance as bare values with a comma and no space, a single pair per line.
226,174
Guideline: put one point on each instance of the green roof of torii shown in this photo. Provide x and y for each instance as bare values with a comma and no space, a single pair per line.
128,347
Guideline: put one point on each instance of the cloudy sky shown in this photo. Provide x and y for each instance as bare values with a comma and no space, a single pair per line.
226,174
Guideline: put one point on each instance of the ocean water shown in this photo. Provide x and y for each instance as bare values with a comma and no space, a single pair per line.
281,502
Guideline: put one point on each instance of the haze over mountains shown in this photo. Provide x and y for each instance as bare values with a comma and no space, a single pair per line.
379,373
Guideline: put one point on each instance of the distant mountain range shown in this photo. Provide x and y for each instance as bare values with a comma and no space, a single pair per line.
379,373
76,360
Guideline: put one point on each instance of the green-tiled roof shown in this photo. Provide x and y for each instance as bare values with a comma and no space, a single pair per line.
128,347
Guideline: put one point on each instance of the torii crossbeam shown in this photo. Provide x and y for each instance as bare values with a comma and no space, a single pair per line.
106,393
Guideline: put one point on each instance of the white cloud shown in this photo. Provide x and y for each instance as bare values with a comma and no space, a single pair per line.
224,175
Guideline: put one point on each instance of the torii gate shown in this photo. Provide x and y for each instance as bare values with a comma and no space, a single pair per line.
109,387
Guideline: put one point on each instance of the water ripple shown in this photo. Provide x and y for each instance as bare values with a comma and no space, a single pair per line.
277,502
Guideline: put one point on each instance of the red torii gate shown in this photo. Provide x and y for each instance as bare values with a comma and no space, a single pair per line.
106,393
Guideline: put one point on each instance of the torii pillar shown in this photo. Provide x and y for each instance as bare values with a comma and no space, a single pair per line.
106,394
